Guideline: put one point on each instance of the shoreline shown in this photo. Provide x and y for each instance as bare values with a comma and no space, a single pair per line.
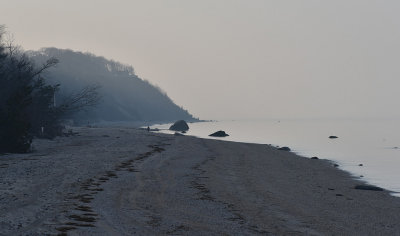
129,181
355,166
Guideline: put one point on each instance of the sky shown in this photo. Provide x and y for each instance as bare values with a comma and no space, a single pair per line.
236,59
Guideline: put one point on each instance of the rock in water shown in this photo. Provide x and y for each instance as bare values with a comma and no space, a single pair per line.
219,134
333,137
180,125
284,149
314,158
368,187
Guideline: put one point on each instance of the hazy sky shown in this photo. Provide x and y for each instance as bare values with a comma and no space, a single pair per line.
236,59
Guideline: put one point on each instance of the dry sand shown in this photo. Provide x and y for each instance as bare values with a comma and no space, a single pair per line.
121,181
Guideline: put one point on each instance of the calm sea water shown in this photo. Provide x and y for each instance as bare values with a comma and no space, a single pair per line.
374,144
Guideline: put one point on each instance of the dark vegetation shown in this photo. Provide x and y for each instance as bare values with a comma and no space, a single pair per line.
27,106
38,94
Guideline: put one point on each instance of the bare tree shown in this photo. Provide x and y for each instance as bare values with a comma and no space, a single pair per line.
87,97
26,99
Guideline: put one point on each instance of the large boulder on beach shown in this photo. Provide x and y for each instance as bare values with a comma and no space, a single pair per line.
333,137
180,125
219,134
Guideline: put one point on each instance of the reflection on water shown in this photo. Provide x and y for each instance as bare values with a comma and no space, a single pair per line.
370,143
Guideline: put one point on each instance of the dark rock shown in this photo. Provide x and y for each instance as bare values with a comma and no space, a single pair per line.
150,129
284,149
332,137
314,158
360,164
335,165
219,134
368,187
339,194
180,125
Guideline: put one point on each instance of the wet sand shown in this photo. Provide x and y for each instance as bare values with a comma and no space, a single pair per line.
125,181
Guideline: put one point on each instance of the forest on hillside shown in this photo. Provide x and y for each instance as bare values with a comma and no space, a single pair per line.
124,96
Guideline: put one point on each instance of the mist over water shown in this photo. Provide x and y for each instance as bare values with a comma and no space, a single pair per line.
373,143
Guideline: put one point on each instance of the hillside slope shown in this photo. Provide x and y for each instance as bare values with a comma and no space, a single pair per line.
125,96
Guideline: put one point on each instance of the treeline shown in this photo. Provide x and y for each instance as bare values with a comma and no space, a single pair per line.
27,106
125,96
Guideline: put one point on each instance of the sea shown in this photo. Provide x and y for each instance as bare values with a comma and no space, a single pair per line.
367,149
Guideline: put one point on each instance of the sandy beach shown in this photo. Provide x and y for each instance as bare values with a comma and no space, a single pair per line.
126,181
